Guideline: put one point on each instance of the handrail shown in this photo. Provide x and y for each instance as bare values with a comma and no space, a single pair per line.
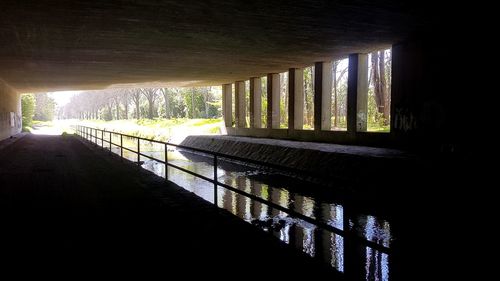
84,132
223,155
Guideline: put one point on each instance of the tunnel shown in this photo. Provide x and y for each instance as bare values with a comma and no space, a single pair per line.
299,180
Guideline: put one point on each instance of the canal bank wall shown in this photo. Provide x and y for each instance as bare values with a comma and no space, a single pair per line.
359,167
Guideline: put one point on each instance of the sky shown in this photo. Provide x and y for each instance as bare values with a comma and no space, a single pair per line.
63,97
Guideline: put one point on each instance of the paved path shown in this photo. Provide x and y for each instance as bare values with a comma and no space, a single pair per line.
64,202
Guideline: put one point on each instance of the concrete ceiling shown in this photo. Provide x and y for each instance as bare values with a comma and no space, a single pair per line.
62,45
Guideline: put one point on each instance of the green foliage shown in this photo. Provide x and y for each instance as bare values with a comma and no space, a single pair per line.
376,120
284,100
203,122
28,109
264,102
214,109
195,103
264,112
309,97
160,128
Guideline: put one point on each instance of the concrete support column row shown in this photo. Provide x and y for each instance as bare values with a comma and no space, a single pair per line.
357,98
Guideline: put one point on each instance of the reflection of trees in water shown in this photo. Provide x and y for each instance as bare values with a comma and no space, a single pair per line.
376,267
318,243
376,263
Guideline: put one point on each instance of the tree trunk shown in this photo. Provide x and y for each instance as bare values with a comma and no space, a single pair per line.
285,115
137,112
377,89
335,108
110,108
117,109
207,94
167,104
383,88
192,103
150,102
126,110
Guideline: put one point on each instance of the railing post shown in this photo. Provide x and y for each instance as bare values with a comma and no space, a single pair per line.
139,152
102,139
121,146
166,162
109,142
215,181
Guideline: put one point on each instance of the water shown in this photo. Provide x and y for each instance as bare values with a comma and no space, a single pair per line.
324,245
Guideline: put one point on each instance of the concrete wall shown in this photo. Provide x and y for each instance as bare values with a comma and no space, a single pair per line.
10,111
331,163
338,137
428,105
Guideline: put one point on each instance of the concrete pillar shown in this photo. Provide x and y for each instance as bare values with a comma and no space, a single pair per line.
227,104
273,101
255,102
357,93
240,104
323,96
296,98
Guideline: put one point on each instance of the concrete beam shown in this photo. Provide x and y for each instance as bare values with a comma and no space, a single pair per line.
357,93
323,96
227,104
255,102
240,104
296,98
273,101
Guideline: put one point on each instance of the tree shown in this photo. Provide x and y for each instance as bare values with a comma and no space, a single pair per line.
337,79
44,107
124,95
379,82
284,99
116,100
28,109
195,102
136,99
151,96
166,96
309,96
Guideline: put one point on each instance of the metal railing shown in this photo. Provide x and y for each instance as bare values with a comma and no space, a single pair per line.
92,135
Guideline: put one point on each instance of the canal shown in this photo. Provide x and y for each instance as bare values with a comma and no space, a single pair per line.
341,252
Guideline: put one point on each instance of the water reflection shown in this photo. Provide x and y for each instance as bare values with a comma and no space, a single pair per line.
331,248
